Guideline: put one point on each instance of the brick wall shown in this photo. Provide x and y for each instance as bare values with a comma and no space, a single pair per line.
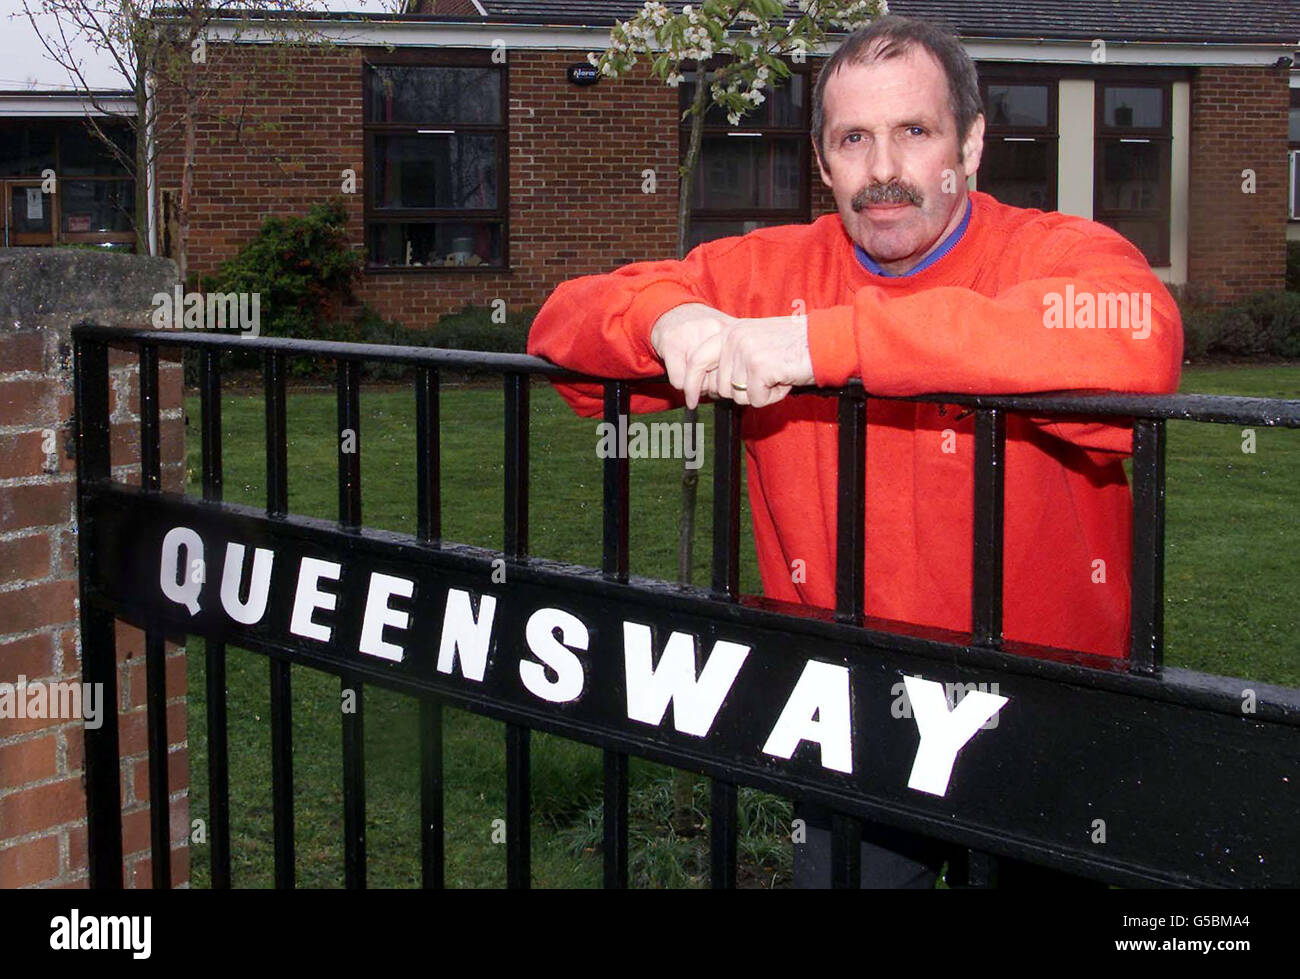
1237,241
576,159
42,792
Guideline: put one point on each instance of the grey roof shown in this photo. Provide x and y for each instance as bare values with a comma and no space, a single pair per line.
1260,21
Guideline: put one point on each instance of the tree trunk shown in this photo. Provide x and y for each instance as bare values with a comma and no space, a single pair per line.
141,161
684,782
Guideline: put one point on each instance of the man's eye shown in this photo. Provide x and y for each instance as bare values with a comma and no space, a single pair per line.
915,131
853,138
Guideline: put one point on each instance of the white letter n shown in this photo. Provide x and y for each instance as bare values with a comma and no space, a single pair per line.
463,634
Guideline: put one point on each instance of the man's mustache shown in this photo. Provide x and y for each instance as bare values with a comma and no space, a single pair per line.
894,192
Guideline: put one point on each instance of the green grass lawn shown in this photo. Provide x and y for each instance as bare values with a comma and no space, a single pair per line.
1231,572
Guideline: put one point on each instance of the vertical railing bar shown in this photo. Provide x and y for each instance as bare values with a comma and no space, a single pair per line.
277,504
846,852
98,631
851,509
155,668
428,477
218,763
351,690
723,835
354,784
428,454
210,408
518,809
616,473
615,567
215,650
282,773
349,443
615,820
1146,650
726,500
150,435
432,833
726,585
990,481
850,591
516,466
277,437
518,793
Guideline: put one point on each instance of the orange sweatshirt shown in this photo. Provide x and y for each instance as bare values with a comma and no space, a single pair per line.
1011,308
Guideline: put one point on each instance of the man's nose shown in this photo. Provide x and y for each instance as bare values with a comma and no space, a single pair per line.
884,162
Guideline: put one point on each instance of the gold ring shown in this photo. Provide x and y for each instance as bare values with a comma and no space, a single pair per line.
738,387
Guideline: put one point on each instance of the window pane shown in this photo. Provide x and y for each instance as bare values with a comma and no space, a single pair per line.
83,154
1294,130
1145,233
1295,185
97,205
1018,173
433,94
435,244
1130,176
25,150
29,210
738,172
1128,108
1017,105
702,231
434,171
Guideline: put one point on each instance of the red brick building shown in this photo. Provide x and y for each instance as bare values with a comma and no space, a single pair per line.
482,172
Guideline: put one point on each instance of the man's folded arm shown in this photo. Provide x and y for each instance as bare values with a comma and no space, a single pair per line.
953,339
600,324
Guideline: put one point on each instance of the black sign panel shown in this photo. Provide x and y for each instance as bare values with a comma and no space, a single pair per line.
1129,778
583,74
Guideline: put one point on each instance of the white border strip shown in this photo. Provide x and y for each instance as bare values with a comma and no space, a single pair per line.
62,105
578,38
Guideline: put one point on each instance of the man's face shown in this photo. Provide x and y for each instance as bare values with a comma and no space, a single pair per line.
889,135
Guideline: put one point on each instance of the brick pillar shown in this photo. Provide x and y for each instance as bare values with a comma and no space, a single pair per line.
1237,240
42,792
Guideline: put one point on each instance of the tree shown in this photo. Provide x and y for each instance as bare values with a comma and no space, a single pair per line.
159,50
744,60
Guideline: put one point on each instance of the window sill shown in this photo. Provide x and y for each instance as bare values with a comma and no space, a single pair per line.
434,269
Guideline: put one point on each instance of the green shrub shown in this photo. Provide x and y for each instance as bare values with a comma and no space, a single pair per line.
1277,318
1266,324
304,268
472,329
1200,332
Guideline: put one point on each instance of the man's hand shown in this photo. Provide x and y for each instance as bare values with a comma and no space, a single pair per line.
751,361
680,330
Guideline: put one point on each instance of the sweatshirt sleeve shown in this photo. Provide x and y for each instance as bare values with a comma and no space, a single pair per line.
952,339
600,324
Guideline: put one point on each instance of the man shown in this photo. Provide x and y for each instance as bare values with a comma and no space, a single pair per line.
915,286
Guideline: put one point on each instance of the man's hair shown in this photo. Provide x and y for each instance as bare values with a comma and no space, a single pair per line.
892,37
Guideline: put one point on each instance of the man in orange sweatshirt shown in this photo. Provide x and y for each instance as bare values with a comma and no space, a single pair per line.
916,285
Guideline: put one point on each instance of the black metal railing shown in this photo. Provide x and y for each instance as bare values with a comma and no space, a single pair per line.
1127,700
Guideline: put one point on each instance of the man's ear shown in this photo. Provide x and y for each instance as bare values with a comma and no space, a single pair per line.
826,174
972,148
